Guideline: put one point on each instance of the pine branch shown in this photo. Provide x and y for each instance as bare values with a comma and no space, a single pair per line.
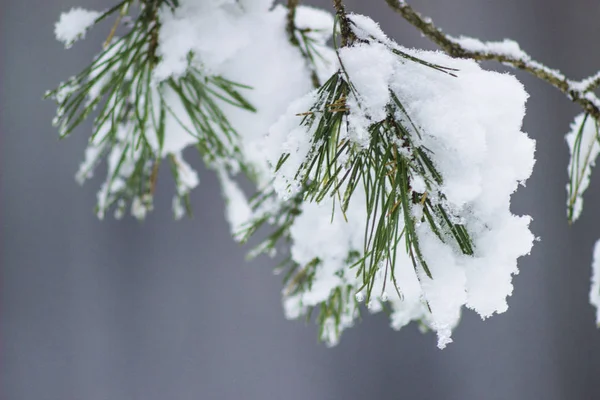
337,167
577,91
133,110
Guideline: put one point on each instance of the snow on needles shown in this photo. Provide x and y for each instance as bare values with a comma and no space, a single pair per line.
583,141
471,123
218,38
252,49
73,24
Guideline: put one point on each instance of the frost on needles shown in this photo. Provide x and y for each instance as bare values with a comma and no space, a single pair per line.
385,173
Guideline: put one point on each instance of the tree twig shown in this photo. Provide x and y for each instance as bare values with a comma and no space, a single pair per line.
506,52
345,29
291,21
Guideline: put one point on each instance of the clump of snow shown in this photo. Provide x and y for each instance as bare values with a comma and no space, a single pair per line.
584,147
287,136
470,122
472,125
237,209
186,179
315,20
372,84
246,41
73,24
206,30
250,33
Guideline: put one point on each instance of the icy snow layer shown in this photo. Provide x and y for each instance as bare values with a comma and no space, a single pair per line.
472,125
73,24
583,144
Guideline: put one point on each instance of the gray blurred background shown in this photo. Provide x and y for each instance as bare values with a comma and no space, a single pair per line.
121,310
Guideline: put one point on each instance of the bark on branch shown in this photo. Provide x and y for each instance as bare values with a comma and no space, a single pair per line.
506,52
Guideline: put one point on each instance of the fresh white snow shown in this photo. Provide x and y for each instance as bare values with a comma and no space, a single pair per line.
471,123
73,24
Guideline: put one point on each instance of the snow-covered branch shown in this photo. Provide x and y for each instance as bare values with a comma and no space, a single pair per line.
386,173
507,52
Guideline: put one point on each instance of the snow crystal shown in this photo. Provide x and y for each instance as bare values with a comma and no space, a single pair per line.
141,206
287,136
472,124
286,69
246,40
73,24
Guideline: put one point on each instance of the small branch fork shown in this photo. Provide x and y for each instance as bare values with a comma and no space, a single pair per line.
580,92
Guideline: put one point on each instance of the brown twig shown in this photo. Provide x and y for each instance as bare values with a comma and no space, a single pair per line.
291,21
348,36
579,92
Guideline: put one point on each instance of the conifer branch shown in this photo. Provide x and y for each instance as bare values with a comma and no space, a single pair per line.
356,155
578,92
346,33
336,167
130,127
